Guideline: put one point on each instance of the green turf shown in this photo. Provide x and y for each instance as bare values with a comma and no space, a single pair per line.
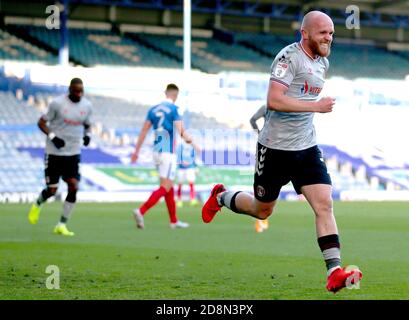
110,259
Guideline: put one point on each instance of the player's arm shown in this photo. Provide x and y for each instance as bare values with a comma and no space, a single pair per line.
196,147
87,134
259,114
184,135
141,138
277,100
42,124
253,123
87,129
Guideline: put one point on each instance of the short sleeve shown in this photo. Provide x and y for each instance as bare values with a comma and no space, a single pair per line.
149,117
283,69
176,115
326,63
51,111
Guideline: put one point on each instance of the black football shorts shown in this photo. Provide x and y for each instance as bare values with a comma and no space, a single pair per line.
275,168
61,166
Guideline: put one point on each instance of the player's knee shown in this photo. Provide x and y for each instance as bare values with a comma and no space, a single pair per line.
167,185
324,206
49,192
73,187
264,213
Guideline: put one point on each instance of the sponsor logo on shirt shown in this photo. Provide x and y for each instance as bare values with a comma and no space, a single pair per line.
308,89
72,122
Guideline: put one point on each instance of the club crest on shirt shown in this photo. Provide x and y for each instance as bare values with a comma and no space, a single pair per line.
260,191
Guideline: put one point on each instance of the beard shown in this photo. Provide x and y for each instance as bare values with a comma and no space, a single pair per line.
317,49
74,98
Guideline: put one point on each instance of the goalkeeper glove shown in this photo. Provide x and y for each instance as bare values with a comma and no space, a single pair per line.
86,140
58,142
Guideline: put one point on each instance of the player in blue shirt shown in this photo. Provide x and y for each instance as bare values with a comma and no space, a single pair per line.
163,118
187,168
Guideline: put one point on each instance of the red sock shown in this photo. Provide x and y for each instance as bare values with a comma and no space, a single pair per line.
192,191
180,191
153,199
170,203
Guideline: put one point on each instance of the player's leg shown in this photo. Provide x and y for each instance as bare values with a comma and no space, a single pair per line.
239,202
149,203
35,209
162,167
68,207
166,165
71,175
319,197
314,182
170,199
191,178
181,179
52,176
171,205
268,180
167,183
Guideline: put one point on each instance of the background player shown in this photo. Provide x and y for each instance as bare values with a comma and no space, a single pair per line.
260,113
260,224
287,148
67,126
163,117
187,169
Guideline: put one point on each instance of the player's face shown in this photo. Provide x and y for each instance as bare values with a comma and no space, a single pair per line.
76,92
320,38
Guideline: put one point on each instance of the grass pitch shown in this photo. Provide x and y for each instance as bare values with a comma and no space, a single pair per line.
109,258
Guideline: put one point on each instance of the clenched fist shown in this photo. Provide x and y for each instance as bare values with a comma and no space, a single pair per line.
325,105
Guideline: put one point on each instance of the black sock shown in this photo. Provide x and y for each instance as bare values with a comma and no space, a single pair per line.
44,195
330,248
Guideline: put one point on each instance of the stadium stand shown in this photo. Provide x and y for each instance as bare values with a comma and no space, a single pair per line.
267,44
253,52
208,54
13,48
348,60
353,61
21,144
101,47
215,49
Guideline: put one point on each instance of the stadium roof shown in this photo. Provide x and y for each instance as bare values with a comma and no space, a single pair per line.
378,13
392,7
395,7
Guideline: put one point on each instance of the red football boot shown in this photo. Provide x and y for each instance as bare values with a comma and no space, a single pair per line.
211,207
339,279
